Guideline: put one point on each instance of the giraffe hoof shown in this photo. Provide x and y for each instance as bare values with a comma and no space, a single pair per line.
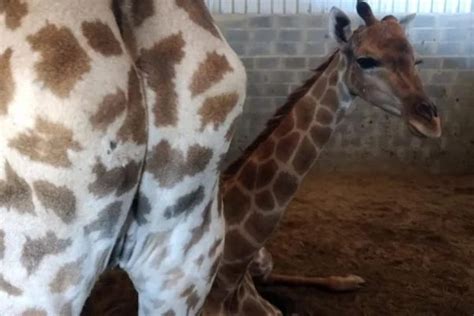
349,282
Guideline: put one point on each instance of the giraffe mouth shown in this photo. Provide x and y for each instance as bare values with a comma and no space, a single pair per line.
430,129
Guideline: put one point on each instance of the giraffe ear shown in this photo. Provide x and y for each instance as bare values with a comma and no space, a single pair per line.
406,20
339,26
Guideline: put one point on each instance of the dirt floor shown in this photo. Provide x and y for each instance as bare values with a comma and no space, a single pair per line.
411,238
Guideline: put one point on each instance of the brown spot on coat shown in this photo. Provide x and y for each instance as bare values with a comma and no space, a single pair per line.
59,199
264,201
213,250
170,312
158,65
319,87
236,205
109,109
7,85
192,297
14,11
286,125
186,203
101,38
34,312
266,172
48,143
324,116
265,150
141,10
239,247
35,250
209,72
305,156
64,61
199,14
135,126
286,146
9,288
331,100
199,231
106,223
67,276
2,244
320,135
15,192
304,111
169,166
215,109
119,179
284,187
248,175
260,227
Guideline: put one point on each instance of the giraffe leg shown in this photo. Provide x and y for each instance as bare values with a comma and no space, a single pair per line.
195,86
67,170
333,283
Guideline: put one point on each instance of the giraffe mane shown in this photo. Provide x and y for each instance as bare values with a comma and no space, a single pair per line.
279,115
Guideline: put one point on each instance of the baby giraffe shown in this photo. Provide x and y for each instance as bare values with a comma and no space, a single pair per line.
376,63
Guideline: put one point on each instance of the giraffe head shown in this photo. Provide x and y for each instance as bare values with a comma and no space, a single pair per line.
381,68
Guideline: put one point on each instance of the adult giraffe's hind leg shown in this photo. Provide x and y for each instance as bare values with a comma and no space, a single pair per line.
72,133
195,87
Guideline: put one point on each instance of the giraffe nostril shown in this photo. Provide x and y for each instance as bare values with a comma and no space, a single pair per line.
426,111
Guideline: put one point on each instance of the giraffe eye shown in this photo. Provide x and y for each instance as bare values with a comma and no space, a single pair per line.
418,62
368,63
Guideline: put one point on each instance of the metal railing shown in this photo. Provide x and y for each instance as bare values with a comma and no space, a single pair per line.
318,6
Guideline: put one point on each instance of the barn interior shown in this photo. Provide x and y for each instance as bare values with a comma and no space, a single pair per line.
380,203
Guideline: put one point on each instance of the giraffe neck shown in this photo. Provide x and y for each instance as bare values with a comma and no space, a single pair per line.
284,153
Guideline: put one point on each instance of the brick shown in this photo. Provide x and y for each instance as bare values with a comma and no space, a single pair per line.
237,35
229,22
430,63
466,77
255,76
424,21
290,35
258,49
265,35
281,76
267,62
455,63
317,35
420,35
425,49
447,49
436,91
268,90
454,35
443,77
294,62
286,48
315,21
290,21
261,22
314,49
456,20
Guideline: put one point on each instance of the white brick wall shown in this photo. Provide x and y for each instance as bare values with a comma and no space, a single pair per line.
317,6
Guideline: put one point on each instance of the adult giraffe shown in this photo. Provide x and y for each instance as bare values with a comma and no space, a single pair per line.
81,138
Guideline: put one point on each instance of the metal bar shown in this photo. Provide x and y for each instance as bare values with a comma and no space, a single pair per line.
284,6
259,6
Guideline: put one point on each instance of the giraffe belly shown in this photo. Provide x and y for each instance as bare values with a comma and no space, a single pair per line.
70,153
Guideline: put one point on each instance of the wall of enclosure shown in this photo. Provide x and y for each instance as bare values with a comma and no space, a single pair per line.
279,50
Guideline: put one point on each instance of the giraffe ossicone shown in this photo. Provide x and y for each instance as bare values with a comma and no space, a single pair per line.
375,63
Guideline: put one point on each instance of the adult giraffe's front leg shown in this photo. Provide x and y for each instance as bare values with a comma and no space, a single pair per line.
195,87
72,142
